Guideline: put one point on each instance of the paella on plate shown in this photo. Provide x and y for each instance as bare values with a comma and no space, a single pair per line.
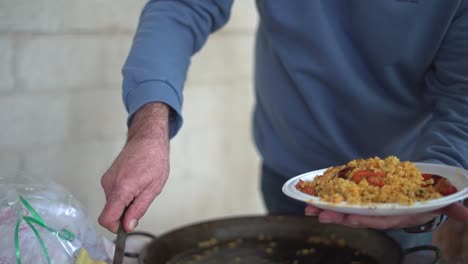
376,180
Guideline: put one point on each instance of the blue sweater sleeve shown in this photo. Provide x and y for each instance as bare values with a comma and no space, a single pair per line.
168,34
445,138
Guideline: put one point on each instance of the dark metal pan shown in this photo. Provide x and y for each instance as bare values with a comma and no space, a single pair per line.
272,239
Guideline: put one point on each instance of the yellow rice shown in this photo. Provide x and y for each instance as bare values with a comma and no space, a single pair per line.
403,183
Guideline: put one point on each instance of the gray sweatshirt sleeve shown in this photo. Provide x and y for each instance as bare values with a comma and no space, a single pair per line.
445,138
168,34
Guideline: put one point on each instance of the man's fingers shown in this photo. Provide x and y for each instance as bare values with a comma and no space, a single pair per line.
386,222
115,205
138,208
312,210
331,217
376,222
456,211
106,184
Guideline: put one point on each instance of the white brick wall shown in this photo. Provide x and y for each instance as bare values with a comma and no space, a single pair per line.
55,118
48,16
68,61
243,18
65,16
114,56
33,120
10,163
98,114
228,57
62,114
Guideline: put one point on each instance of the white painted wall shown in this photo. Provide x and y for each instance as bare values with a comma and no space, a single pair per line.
62,117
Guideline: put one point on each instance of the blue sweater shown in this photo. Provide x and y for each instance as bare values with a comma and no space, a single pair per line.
335,80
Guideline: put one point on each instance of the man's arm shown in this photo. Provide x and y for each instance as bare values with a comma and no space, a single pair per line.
445,138
168,34
140,171
150,123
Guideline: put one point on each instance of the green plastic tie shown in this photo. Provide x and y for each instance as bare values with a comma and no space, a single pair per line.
35,218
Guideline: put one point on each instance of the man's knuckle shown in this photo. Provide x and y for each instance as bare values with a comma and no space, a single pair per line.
140,210
103,221
120,197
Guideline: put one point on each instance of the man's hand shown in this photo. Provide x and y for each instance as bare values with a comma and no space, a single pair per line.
455,211
140,171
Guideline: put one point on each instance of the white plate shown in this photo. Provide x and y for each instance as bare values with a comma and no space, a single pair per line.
458,177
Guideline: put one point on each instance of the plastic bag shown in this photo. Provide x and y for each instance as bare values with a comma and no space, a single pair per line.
40,222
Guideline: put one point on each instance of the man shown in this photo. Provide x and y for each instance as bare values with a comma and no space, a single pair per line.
335,80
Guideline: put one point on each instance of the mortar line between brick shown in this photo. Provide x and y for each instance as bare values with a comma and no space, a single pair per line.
113,87
21,150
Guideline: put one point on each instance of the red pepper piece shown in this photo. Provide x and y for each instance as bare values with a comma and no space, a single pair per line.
444,187
436,178
427,176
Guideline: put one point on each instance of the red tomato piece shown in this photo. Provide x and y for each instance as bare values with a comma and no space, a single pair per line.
375,181
359,175
308,190
303,187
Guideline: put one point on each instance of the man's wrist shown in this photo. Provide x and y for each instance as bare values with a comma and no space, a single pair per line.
151,122
427,227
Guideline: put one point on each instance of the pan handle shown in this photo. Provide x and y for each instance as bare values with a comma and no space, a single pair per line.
435,249
138,234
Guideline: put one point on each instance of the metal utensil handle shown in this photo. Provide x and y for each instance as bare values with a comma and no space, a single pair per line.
435,249
120,241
